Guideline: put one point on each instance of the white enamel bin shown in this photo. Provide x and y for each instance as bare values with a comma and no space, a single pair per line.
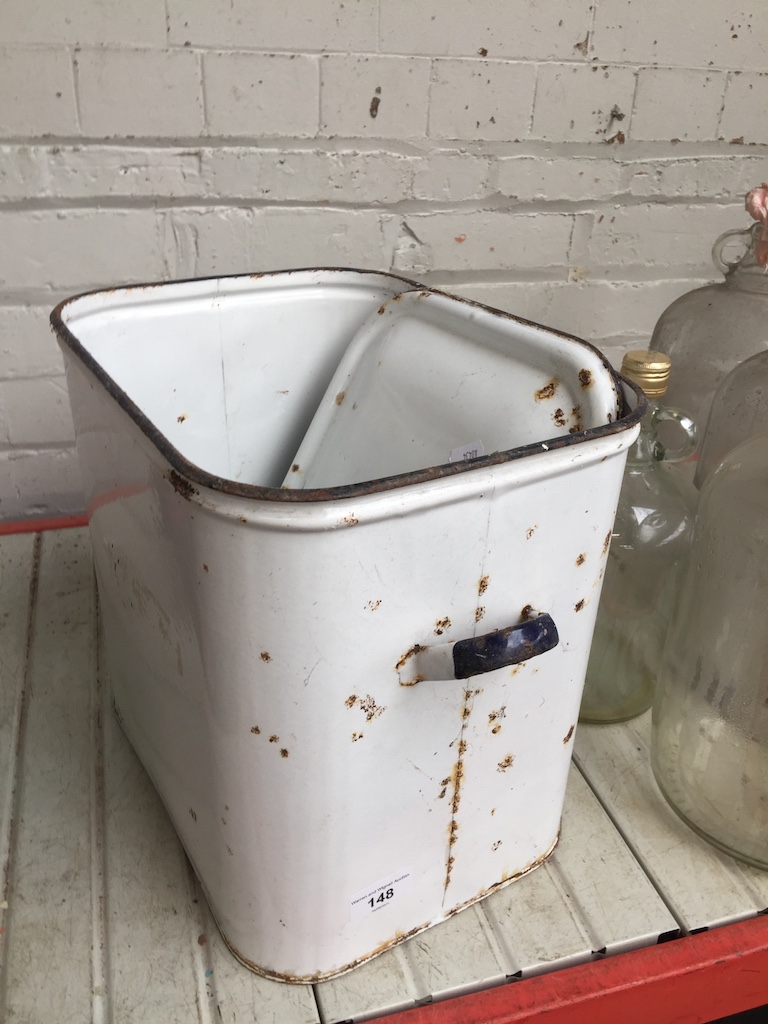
283,660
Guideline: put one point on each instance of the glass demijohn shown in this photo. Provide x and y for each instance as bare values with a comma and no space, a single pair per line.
650,535
710,716
739,411
709,331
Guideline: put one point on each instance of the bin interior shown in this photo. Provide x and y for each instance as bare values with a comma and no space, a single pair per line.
230,371
430,379
243,375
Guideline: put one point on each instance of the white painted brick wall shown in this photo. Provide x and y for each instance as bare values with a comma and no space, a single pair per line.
680,103
147,93
481,99
571,162
582,103
364,97
255,94
37,91
745,111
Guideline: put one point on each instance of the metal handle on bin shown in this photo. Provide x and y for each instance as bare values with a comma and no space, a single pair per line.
535,635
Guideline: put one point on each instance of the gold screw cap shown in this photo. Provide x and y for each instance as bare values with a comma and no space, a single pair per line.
648,369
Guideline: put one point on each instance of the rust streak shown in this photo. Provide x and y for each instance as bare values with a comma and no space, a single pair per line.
455,780
568,735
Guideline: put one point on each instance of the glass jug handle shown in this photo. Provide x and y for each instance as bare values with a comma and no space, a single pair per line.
725,266
688,427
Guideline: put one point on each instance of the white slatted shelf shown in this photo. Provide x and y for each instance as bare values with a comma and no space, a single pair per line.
703,887
102,920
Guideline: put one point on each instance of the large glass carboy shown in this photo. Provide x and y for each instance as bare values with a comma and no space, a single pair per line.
710,715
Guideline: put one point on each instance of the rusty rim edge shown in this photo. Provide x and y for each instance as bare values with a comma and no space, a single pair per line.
202,478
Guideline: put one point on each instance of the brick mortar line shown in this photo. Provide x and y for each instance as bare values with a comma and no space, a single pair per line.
631,276
493,206
594,60
633,150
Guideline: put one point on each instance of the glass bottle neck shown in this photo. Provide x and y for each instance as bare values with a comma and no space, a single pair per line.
751,272
647,448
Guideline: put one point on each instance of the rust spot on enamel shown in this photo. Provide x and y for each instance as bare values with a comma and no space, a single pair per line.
408,654
182,486
547,391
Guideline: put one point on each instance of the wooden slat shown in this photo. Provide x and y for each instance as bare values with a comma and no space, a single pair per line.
382,985
537,925
460,955
17,560
702,886
17,565
49,927
603,880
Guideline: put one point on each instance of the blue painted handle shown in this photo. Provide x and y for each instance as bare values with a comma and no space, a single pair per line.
504,647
